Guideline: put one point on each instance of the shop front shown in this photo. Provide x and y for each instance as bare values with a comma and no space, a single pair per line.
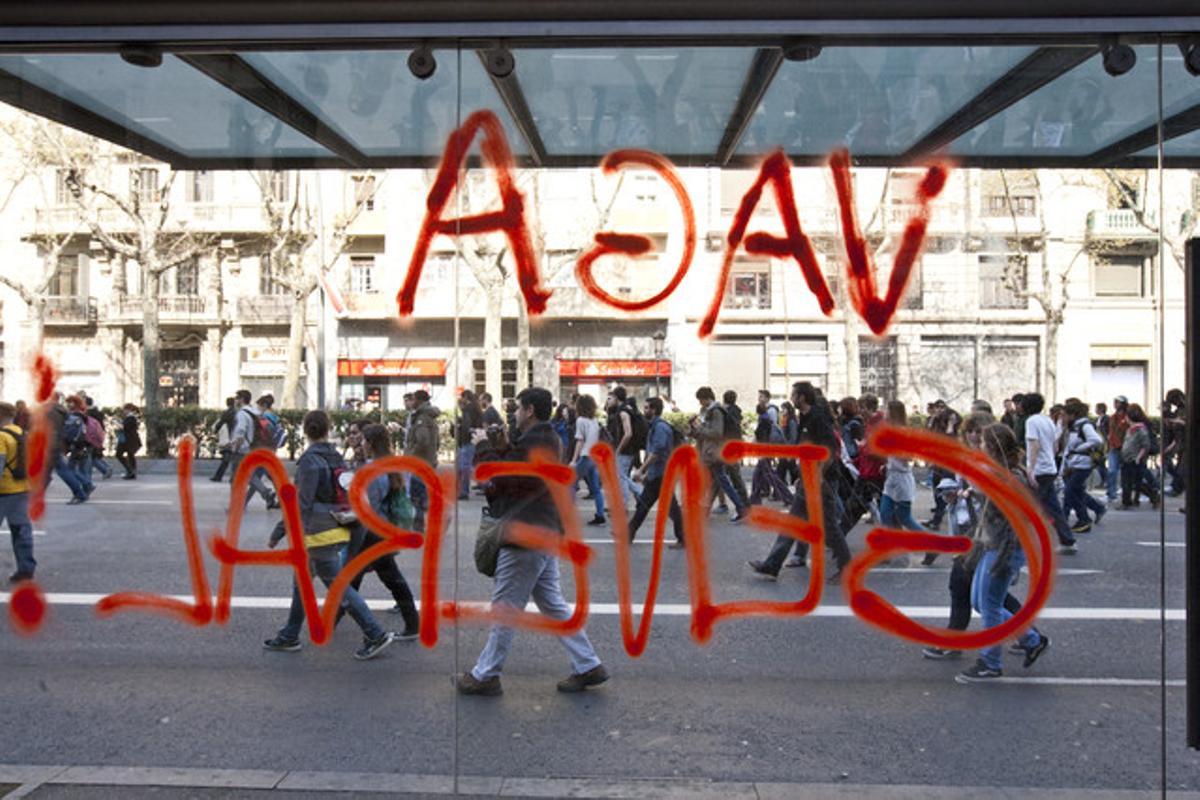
595,377
371,383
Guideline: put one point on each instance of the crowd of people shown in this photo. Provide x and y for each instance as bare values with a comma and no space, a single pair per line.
1055,451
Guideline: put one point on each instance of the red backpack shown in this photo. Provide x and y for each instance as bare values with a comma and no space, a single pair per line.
870,467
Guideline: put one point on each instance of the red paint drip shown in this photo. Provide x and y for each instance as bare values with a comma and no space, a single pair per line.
509,220
27,608
37,455
44,378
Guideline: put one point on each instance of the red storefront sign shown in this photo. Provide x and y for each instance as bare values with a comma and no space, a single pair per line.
390,367
583,368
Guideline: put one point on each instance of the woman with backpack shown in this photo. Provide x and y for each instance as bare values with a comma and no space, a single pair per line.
900,487
78,443
389,500
1081,443
129,442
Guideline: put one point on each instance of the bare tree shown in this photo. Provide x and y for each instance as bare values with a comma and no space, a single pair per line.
1133,189
300,256
35,163
133,224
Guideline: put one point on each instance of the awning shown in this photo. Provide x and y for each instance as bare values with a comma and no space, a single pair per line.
599,369
390,368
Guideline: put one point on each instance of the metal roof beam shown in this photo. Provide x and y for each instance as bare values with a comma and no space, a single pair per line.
509,89
1035,71
763,68
236,75
1175,125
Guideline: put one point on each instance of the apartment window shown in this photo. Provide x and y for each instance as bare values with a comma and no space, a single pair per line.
183,279
914,292
198,187
1000,276
362,275
439,266
65,282
749,285
1123,193
364,191
902,195
835,274
645,187
268,277
143,184
877,367
997,205
1118,276
62,189
508,377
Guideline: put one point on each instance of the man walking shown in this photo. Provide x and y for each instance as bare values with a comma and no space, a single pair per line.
709,430
250,432
1041,439
224,431
421,442
14,494
621,429
816,427
660,442
1118,425
521,573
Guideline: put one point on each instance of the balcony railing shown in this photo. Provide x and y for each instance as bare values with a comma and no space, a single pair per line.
1121,223
172,308
70,311
265,308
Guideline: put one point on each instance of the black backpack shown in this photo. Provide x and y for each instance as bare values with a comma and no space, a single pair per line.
17,465
641,429
732,429
1154,448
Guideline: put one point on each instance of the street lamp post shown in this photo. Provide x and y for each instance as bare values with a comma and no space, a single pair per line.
660,338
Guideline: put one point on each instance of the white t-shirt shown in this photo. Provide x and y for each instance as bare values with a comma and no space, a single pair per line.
587,431
1040,428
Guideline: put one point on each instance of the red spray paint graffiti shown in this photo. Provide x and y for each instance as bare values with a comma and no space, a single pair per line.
775,170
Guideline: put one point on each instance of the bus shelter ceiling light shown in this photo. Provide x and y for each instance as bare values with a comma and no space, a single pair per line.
141,55
499,62
421,63
1191,57
801,50
1118,58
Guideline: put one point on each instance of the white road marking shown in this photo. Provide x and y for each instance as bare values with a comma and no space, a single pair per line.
1150,683
1161,544
675,609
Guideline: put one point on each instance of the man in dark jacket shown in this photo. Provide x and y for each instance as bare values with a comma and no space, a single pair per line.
520,572
422,442
325,539
816,427
225,422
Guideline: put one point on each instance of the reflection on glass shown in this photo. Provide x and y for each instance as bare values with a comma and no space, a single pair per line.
874,100
673,101
172,104
1083,110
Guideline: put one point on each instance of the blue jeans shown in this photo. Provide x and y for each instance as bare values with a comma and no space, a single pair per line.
99,463
1049,497
892,512
722,481
70,477
988,590
466,464
81,462
586,471
325,563
628,487
1113,479
1076,498
15,509
520,574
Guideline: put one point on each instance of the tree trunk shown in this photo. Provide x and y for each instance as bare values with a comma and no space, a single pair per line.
151,335
37,327
491,340
524,379
1051,387
291,375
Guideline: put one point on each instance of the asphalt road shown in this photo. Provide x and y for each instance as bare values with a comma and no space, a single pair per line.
822,699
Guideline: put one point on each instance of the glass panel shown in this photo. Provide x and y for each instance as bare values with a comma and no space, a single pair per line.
587,101
373,101
1081,111
172,104
874,100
